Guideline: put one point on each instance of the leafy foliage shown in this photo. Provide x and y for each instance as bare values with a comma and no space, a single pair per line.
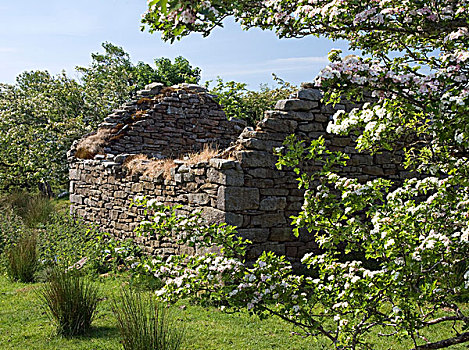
41,115
112,78
65,241
416,234
145,324
11,227
70,301
239,102
178,72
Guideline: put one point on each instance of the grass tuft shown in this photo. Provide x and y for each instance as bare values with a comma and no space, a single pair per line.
33,209
142,164
70,301
207,153
145,324
94,144
22,258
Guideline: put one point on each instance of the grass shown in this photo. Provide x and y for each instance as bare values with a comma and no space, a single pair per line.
94,144
22,263
34,209
145,324
207,153
70,301
142,164
25,325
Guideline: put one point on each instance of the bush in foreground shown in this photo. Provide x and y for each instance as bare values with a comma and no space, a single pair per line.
416,67
70,301
145,324
21,262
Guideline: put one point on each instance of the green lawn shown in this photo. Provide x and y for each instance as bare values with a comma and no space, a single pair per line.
24,325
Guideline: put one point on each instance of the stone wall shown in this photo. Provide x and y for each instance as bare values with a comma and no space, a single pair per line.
241,186
168,122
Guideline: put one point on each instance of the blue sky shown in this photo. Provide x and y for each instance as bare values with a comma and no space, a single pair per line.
60,34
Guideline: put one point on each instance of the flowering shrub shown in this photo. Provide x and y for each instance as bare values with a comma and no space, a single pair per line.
412,237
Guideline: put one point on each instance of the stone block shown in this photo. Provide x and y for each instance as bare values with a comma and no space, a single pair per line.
74,174
213,215
234,219
311,127
291,252
76,199
261,145
137,187
384,158
274,192
184,168
198,198
255,235
229,177
269,220
256,159
341,141
309,94
154,88
321,118
273,203
237,198
278,125
362,160
188,177
296,105
259,183
281,234
373,170
219,163
263,173
301,116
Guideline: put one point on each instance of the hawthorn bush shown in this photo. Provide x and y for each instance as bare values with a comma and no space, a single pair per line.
415,66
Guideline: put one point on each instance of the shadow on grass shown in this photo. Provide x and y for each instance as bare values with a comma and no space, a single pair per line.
100,332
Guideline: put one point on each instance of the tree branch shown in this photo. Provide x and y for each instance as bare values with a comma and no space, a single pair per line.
462,338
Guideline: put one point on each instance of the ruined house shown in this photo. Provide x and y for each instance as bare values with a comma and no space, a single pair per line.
151,145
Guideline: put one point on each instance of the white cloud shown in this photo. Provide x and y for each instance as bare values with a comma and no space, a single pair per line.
278,65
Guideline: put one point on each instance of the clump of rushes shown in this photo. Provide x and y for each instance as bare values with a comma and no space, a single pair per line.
145,324
71,301
33,209
22,262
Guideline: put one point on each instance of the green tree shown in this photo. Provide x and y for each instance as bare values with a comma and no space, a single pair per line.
40,117
239,102
107,82
178,72
42,114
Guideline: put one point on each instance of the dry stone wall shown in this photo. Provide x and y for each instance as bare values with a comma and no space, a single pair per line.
241,186
168,122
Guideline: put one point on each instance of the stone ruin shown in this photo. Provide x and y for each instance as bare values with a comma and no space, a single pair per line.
149,147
